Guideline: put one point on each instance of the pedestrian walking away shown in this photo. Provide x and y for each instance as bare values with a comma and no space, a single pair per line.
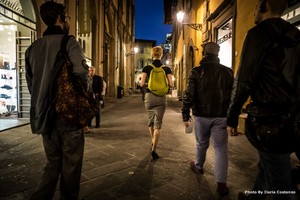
63,143
268,74
208,94
155,104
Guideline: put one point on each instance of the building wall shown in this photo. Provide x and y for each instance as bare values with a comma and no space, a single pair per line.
186,41
105,37
244,21
236,17
142,58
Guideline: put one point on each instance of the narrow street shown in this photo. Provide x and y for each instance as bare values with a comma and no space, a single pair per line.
117,161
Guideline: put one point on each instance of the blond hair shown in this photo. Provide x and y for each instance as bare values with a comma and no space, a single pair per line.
157,52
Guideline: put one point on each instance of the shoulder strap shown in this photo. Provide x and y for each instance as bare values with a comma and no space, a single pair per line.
57,69
152,66
64,42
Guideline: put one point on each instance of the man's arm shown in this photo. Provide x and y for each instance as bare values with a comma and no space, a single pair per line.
28,70
188,96
247,75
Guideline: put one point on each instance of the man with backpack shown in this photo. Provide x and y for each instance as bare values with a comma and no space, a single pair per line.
208,94
269,74
63,143
159,80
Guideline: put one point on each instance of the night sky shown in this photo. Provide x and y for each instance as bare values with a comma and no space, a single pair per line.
149,21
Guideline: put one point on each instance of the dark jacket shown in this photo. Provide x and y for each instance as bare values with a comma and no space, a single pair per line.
40,57
97,84
208,89
260,72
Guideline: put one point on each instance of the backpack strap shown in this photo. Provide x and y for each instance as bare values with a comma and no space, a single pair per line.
153,66
64,42
57,70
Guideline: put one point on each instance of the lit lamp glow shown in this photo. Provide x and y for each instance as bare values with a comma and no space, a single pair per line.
180,17
135,51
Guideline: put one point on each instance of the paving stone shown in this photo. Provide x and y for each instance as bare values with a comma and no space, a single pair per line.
117,163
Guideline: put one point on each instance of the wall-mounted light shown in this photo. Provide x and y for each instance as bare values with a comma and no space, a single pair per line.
180,17
135,51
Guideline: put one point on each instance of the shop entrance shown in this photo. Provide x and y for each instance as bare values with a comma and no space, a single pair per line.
224,39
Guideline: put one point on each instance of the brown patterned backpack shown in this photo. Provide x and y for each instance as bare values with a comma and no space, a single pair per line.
71,100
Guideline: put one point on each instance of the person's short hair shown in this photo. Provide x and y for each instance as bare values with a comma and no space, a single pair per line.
211,48
277,6
157,52
50,10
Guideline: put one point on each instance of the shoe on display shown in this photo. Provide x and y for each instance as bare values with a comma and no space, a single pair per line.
4,96
7,87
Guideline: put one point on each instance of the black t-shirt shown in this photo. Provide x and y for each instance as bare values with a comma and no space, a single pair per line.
157,63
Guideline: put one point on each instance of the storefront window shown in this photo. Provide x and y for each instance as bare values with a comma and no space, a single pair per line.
224,39
8,82
17,32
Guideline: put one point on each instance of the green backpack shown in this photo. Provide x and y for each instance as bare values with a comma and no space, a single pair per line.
158,82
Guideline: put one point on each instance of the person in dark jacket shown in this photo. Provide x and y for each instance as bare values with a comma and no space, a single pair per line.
208,94
95,88
264,76
63,144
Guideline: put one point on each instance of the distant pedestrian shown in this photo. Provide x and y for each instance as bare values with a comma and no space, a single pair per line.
63,144
268,73
208,94
95,89
155,104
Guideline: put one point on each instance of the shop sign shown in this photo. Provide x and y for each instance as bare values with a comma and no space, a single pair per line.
225,38
292,14
14,5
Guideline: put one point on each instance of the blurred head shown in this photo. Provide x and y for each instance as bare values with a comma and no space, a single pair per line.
210,48
91,71
157,53
269,9
53,13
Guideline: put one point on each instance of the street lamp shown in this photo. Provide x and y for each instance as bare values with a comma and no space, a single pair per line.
180,17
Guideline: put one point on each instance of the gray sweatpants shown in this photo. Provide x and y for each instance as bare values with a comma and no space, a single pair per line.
214,129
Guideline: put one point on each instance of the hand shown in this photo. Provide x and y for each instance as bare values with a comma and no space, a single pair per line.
186,124
231,131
